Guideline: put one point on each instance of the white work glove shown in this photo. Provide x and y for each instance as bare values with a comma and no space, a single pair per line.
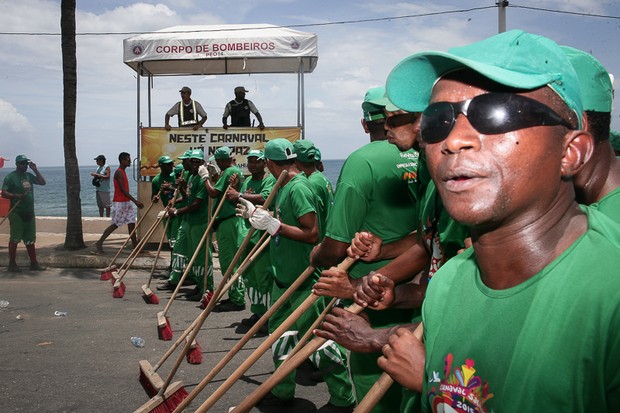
162,214
213,168
262,219
245,208
203,172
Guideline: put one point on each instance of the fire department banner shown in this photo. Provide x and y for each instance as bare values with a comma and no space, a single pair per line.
157,142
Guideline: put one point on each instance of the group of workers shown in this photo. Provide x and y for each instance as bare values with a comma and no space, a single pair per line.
483,218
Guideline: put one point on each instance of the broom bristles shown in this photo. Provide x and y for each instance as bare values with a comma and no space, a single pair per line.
148,387
165,332
204,301
105,276
194,355
167,402
150,299
119,291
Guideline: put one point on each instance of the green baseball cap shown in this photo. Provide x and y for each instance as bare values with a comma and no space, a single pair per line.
279,149
305,150
614,138
374,102
317,154
164,159
21,158
222,152
596,87
186,154
197,154
178,170
515,59
256,153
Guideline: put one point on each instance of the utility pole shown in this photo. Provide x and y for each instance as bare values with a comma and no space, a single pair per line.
501,15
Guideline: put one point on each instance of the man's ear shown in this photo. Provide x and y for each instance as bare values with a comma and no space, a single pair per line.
365,126
578,149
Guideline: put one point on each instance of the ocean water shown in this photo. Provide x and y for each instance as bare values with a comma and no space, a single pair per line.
51,199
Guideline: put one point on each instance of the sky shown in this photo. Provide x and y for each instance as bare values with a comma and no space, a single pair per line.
352,58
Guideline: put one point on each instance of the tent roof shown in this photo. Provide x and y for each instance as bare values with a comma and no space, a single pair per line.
221,49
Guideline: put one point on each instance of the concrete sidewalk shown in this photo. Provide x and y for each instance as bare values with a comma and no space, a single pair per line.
51,252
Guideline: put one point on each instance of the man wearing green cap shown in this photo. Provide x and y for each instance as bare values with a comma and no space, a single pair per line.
599,180
194,223
294,231
165,183
227,231
18,187
372,194
503,139
258,277
305,162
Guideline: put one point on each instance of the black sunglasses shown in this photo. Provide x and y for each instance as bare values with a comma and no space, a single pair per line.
400,119
489,114
194,160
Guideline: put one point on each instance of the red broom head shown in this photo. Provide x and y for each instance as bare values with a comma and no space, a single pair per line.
106,275
194,355
150,299
147,385
165,332
173,401
204,301
119,292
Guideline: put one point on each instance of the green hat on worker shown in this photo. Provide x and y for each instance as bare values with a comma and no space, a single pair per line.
515,59
256,153
373,104
614,138
186,154
317,154
596,87
279,150
223,152
305,150
178,170
196,154
164,159
21,158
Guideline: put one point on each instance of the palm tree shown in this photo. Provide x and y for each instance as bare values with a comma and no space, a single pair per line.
74,238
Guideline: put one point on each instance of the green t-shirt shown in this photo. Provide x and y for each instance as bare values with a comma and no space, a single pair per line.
610,205
290,258
325,197
196,190
255,186
372,194
229,207
549,344
16,183
156,186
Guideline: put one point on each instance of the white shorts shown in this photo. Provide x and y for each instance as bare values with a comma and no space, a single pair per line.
123,213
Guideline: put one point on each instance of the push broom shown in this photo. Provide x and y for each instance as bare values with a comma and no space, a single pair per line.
149,378
147,294
14,206
243,341
118,290
266,345
382,385
164,330
106,273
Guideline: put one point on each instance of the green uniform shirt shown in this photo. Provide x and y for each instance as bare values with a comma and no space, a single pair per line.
610,205
255,186
156,186
290,258
372,195
16,183
325,197
228,209
549,344
196,190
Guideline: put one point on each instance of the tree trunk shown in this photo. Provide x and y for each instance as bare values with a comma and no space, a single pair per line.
74,238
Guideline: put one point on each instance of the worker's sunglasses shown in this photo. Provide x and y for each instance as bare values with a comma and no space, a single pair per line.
489,114
401,119
193,160
23,163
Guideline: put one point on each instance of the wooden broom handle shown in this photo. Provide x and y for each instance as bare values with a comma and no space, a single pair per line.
266,345
14,206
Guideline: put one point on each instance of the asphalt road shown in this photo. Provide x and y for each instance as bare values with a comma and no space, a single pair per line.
85,361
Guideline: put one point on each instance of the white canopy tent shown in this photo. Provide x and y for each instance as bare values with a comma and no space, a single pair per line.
222,49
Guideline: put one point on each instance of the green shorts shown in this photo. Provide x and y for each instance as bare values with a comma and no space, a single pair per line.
22,229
